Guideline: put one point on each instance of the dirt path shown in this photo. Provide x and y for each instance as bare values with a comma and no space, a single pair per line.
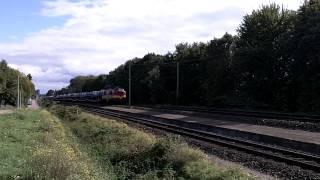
5,111
34,105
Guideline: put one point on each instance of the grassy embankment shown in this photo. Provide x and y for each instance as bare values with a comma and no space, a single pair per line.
129,153
36,145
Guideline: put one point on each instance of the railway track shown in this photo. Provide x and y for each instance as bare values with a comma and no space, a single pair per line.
243,113
290,157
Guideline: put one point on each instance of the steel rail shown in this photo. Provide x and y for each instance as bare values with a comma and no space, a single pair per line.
243,113
291,157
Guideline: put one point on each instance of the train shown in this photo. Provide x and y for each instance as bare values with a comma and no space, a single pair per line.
110,95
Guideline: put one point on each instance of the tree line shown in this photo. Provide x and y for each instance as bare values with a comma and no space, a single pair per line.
9,85
273,62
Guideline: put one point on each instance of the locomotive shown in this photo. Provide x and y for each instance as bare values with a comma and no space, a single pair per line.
110,95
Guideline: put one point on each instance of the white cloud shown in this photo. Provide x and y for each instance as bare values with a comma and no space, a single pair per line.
99,35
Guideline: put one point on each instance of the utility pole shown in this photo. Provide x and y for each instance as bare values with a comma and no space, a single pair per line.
20,99
178,83
130,84
18,93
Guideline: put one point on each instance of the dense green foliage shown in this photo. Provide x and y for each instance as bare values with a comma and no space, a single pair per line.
273,62
8,85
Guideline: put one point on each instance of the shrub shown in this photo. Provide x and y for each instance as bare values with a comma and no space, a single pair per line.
46,103
45,126
20,114
69,113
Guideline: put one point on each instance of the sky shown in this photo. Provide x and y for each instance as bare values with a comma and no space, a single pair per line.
56,40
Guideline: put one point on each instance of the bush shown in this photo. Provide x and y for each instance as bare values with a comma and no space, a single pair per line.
20,114
70,113
46,103
45,126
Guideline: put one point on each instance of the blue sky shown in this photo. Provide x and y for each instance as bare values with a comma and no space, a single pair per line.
20,17
55,40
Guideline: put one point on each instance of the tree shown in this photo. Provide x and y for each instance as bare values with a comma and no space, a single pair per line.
259,62
50,92
192,72
306,58
29,77
8,84
3,64
220,80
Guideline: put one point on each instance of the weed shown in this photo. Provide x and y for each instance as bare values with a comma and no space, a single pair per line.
50,164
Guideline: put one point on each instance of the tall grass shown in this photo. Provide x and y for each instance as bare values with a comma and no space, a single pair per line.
132,154
36,145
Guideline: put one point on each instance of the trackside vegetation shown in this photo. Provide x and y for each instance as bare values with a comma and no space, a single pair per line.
36,145
9,84
127,153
